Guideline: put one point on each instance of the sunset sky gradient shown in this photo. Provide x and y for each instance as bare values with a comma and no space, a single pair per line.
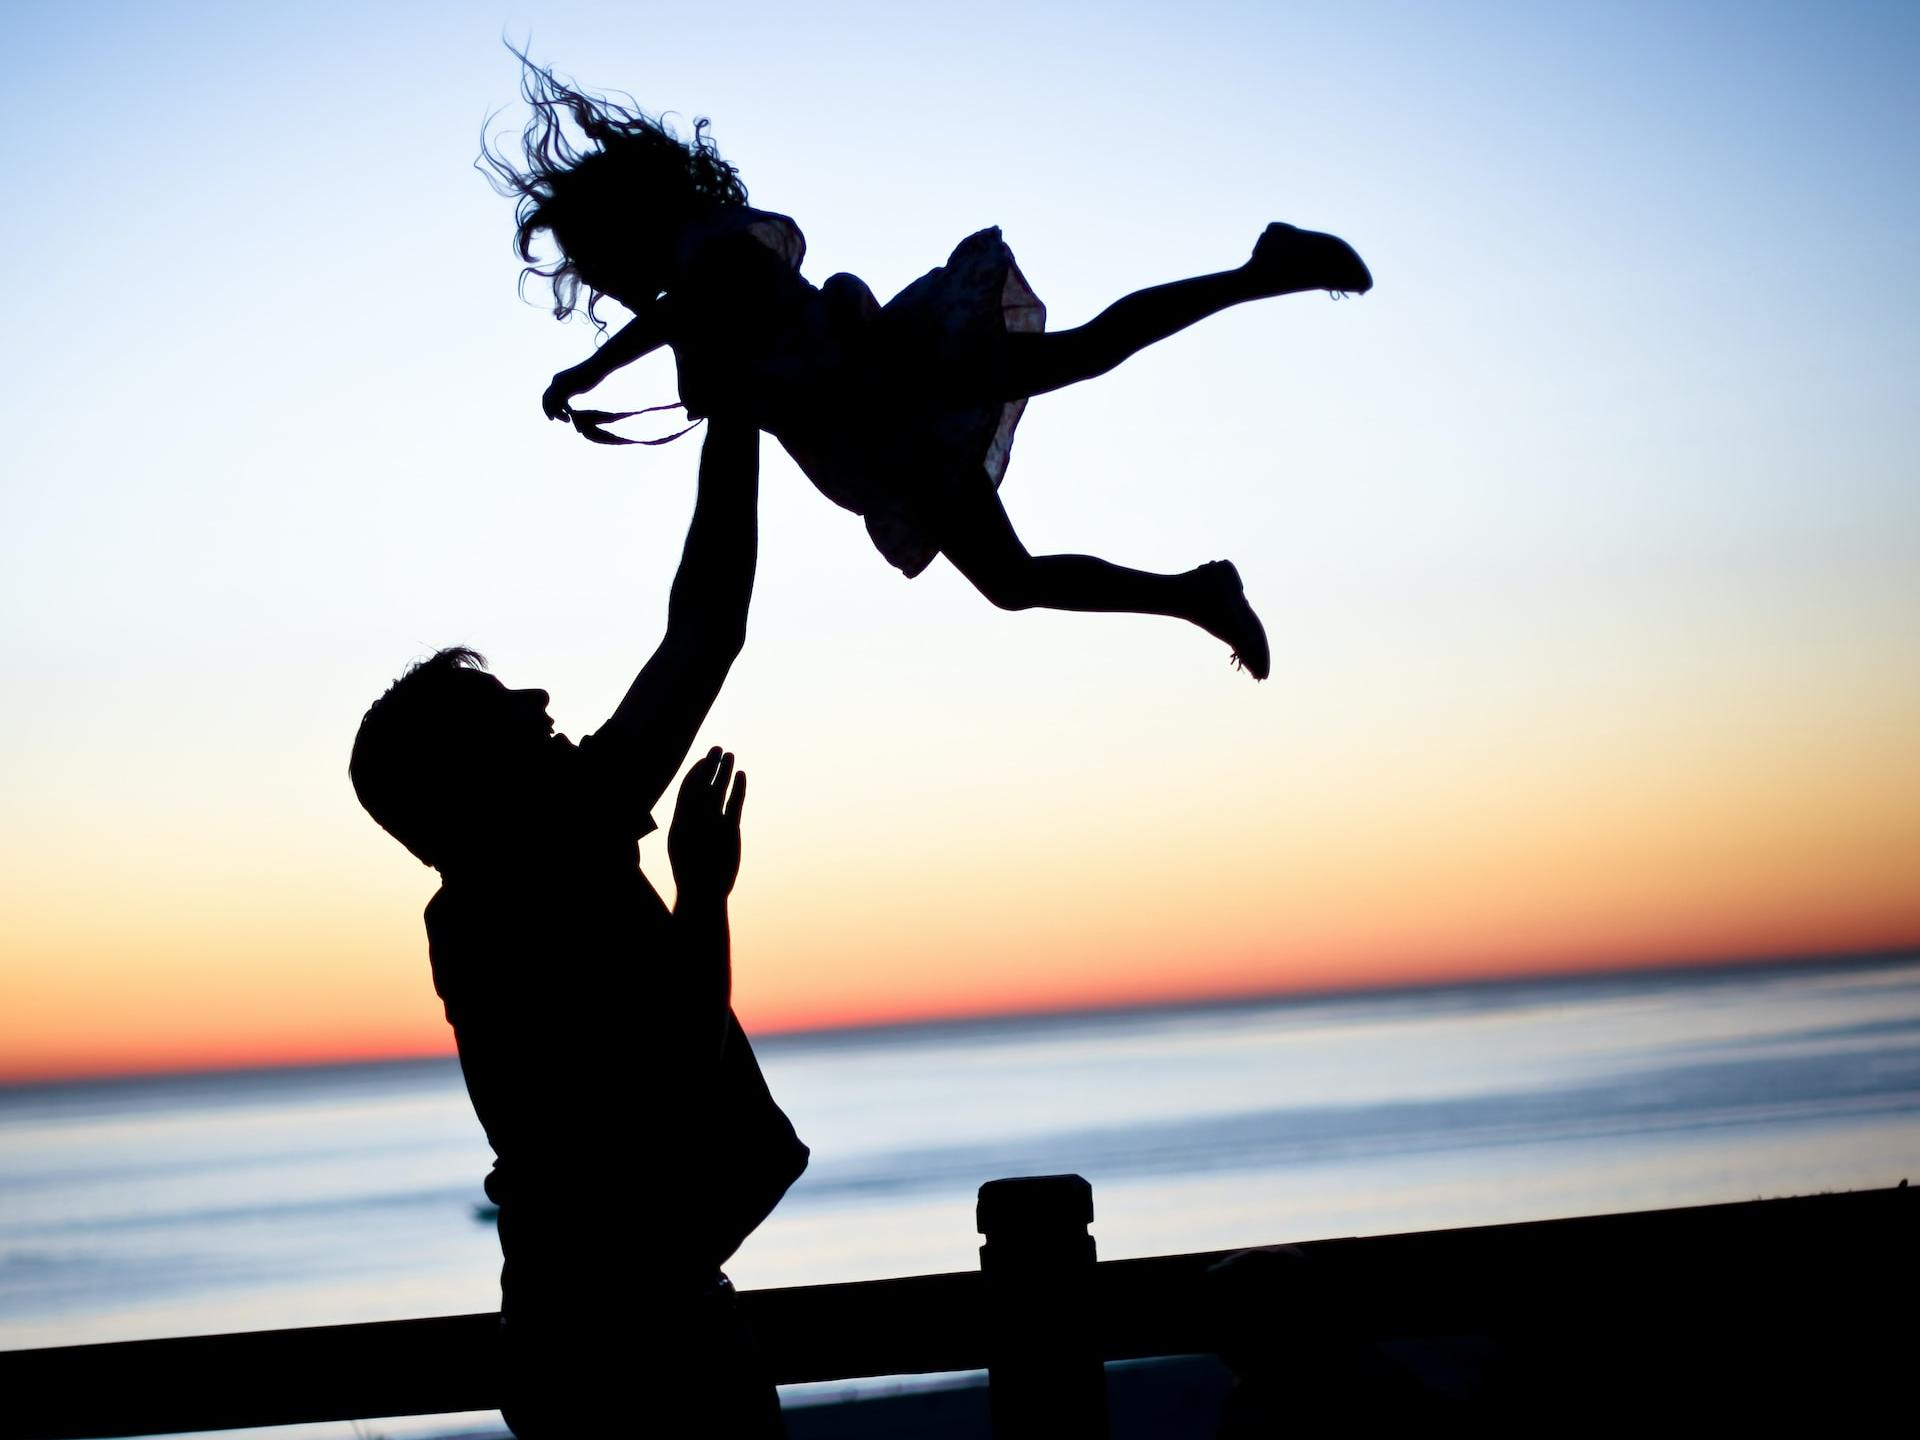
1589,543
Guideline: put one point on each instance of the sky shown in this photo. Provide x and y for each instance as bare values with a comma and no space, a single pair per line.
1588,542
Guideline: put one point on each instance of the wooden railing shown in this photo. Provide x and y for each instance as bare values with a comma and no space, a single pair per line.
1811,1299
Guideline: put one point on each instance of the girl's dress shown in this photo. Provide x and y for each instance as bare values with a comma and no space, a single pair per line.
863,395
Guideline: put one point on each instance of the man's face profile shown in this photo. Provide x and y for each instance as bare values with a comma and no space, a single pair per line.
493,721
506,745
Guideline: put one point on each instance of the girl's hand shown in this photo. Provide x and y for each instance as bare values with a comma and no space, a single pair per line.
574,380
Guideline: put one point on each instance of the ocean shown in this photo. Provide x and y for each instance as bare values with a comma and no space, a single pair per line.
203,1203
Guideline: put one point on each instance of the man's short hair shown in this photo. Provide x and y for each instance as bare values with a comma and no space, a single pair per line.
408,765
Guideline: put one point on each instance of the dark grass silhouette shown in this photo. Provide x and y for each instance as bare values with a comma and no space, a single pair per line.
903,413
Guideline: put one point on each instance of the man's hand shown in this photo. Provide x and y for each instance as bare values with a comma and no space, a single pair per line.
704,840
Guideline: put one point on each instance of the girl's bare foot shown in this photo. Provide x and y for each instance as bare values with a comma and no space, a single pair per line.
1287,260
1223,612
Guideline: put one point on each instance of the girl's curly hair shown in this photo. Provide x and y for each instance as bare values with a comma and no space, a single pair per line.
632,175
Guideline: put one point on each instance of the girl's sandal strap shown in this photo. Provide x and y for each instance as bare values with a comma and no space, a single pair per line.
592,424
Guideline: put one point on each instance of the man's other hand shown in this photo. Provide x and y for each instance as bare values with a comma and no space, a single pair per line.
703,842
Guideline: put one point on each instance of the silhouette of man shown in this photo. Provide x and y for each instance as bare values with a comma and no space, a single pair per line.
636,1142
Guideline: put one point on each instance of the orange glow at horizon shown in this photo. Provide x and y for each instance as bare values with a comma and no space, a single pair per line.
1509,841
278,1041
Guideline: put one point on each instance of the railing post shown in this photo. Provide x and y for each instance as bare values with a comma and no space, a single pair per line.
1044,1373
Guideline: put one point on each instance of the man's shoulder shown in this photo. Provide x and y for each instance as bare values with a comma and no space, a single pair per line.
603,784
439,910
445,922
458,919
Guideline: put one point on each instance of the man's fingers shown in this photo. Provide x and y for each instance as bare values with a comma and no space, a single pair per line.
700,774
713,779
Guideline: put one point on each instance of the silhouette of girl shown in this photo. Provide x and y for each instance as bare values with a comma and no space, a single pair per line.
903,413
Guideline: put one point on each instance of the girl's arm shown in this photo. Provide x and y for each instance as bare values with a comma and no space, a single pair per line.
642,335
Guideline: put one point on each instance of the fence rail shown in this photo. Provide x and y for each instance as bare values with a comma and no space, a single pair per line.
1818,1282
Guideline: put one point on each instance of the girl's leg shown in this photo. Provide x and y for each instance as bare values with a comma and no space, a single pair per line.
977,536
1285,261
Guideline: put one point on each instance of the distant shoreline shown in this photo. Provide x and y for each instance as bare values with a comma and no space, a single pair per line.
964,1026
1306,998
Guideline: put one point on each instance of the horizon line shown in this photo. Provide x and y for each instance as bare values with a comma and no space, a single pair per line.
960,1020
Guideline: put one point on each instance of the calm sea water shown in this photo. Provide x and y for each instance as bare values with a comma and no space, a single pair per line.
225,1202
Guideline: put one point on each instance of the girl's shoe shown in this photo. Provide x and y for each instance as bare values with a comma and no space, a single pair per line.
1225,614
1287,260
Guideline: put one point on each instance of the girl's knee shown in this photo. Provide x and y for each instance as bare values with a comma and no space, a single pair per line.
979,540
849,300
1005,580
1008,587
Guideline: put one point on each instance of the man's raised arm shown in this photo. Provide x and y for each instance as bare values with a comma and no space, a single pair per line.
706,616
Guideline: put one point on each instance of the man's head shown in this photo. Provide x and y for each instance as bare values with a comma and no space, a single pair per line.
446,750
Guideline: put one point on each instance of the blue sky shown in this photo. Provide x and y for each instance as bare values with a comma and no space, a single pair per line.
1612,476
